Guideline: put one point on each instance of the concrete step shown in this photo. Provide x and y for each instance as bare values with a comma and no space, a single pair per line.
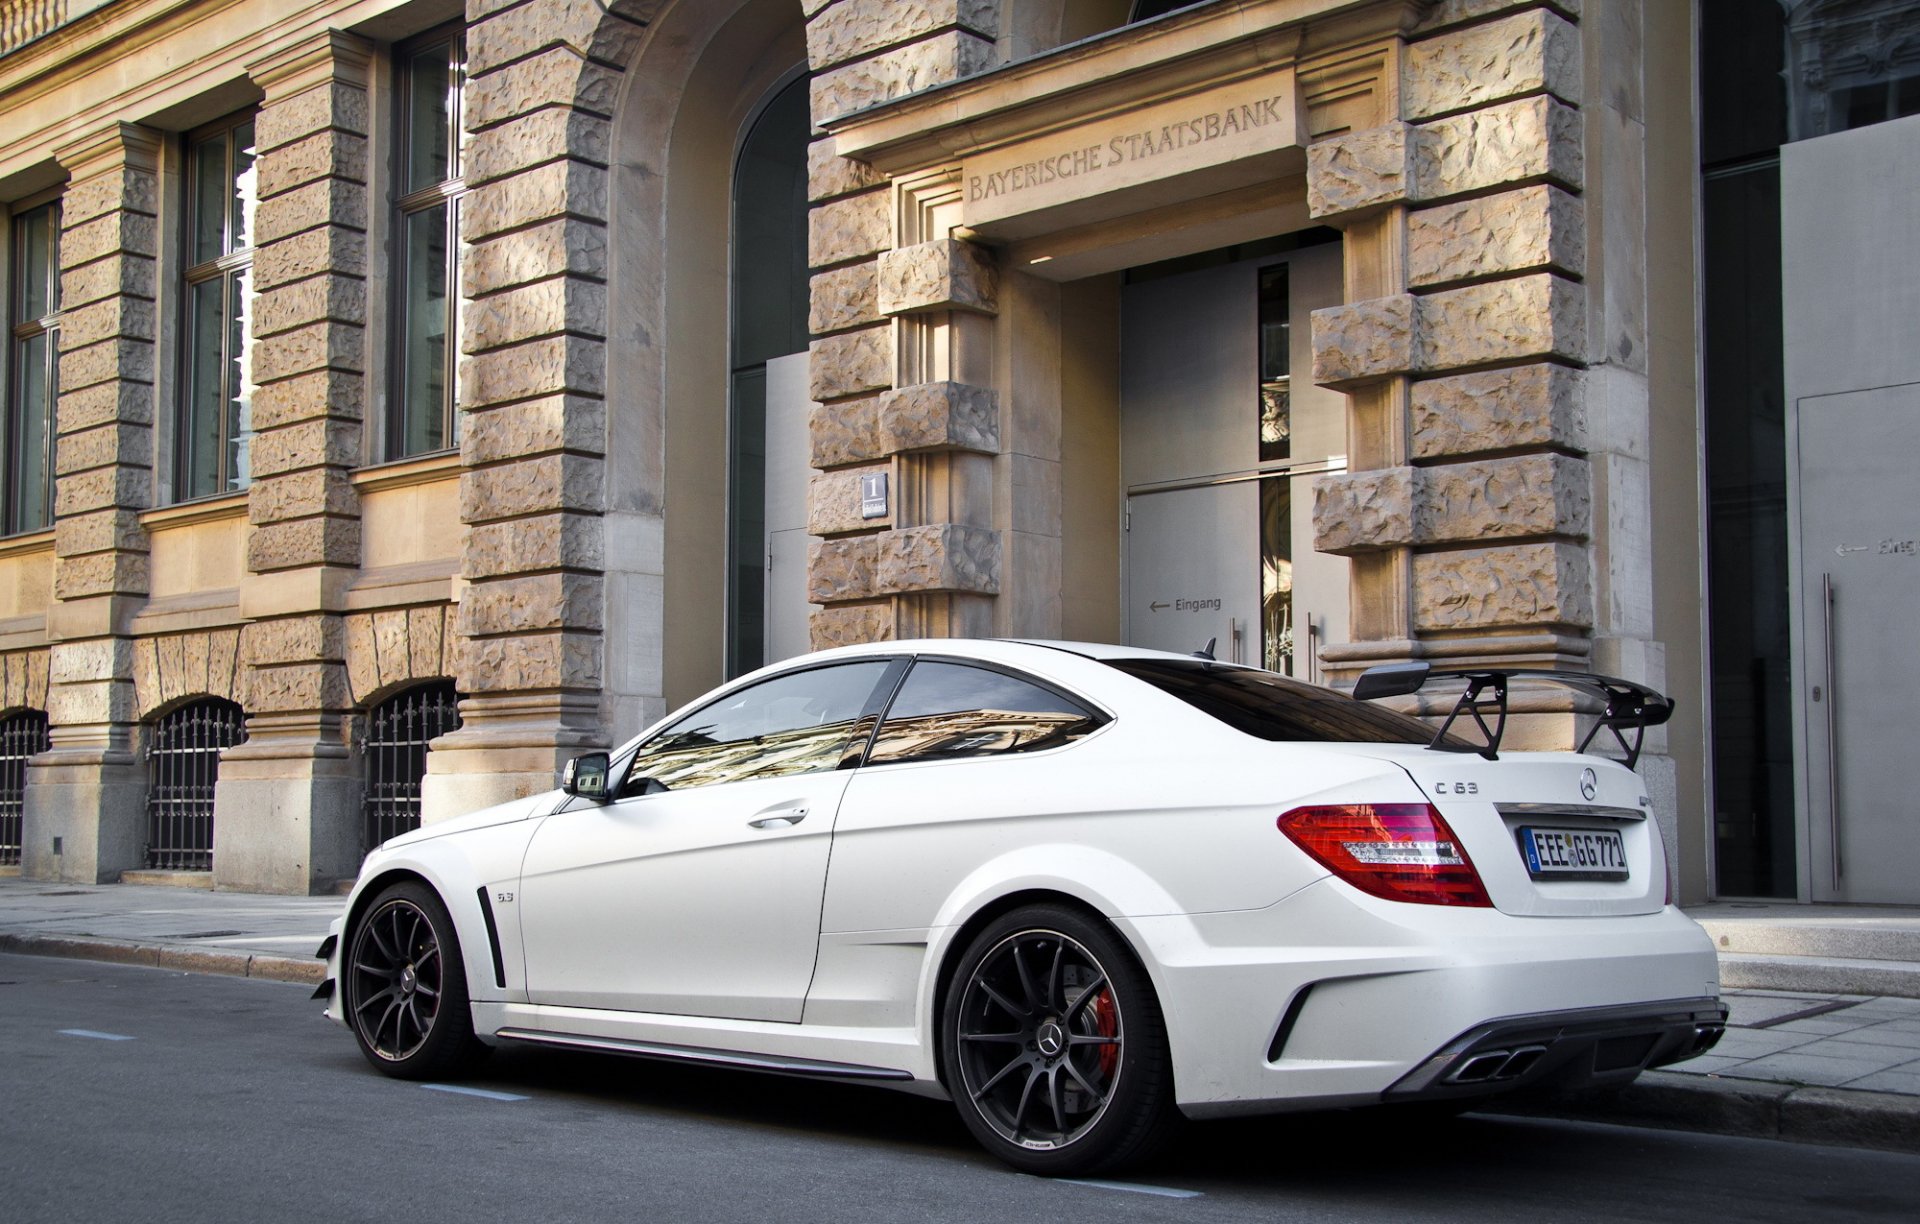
170,879
1853,939
1821,974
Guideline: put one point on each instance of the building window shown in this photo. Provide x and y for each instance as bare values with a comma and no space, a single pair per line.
22,734
183,764
399,731
432,78
215,429
26,442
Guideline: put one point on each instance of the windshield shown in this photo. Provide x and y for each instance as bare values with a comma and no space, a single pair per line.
1272,707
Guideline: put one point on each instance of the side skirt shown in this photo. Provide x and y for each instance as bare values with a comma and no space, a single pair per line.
704,1057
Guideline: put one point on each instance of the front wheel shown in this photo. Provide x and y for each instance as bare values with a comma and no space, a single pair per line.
406,987
1054,1047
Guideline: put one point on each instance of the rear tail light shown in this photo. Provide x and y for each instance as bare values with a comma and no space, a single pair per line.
1399,851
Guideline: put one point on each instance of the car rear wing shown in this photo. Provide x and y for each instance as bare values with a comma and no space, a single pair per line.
1628,707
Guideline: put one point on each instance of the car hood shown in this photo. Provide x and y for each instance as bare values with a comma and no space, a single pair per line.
499,813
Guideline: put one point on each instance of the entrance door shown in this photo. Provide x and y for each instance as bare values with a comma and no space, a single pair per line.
1851,291
1219,448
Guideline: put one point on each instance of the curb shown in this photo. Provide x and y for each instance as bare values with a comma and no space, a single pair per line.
157,956
1753,1109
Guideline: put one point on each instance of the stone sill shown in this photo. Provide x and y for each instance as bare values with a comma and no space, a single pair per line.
392,586
203,510
196,610
26,545
418,470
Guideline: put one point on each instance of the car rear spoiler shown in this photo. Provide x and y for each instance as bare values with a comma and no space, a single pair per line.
1628,707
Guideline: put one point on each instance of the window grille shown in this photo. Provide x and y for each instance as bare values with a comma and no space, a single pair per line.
183,763
21,735
398,731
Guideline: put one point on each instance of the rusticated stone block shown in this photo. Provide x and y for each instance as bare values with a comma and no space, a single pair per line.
850,625
100,488
1479,65
121,358
114,233
558,76
107,319
566,188
326,202
301,495
303,542
941,557
531,486
324,155
99,531
552,365
296,639
310,444
536,139
91,703
1511,320
93,659
1363,341
330,248
119,400
847,431
123,188
1357,512
564,246
334,105
903,70
850,363
320,299
1499,410
1534,138
103,278
534,427
851,228
940,416
845,297
427,642
110,573
829,174
1357,170
297,687
1532,585
112,443
833,502
1527,495
307,397
562,600
1457,12
1530,229
946,274
527,662
846,31
842,570
587,26
529,545
563,304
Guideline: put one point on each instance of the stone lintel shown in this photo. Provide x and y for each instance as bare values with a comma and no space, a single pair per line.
945,274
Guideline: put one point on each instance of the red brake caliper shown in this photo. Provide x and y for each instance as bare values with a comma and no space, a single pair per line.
1106,1022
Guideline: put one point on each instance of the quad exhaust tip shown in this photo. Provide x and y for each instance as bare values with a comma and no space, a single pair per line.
1492,1066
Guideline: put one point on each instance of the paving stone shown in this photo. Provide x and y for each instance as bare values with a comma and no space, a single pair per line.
1800,1067
1756,1043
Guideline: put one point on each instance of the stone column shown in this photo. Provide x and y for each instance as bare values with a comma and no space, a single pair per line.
85,817
532,394
287,805
902,367
1467,511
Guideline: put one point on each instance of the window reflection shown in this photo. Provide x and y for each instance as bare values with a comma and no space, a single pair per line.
792,724
948,710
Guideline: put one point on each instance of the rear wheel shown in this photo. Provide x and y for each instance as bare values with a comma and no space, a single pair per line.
1054,1047
406,987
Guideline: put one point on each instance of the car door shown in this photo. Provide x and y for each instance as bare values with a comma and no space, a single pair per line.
696,890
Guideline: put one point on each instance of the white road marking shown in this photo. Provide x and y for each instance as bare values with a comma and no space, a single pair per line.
487,1093
94,1035
1131,1187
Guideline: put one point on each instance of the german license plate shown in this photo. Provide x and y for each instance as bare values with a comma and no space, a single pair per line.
1574,854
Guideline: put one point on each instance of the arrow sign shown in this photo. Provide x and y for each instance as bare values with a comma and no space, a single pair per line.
1157,606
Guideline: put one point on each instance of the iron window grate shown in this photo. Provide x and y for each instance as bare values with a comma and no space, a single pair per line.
183,764
399,730
22,734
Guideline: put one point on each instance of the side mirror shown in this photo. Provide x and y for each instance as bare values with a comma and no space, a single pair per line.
586,775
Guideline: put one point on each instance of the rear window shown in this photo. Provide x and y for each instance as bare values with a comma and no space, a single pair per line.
1271,707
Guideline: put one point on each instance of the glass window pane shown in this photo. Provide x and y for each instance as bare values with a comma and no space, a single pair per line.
28,439
207,390
243,187
430,111
1276,575
423,328
39,286
947,710
795,723
239,402
1271,707
211,188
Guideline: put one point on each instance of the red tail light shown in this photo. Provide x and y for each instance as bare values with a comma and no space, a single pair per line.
1399,851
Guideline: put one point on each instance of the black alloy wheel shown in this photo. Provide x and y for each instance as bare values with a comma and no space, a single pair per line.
1054,1046
406,987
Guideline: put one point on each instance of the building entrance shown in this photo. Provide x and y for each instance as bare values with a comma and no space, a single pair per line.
1219,444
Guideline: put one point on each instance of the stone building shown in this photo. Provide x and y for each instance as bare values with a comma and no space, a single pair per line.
402,397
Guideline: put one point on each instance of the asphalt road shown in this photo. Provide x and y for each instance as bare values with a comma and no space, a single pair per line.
133,1094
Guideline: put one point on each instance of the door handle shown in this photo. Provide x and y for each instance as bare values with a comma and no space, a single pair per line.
780,819
1833,760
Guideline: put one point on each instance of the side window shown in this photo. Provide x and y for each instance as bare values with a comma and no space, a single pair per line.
792,724
948,710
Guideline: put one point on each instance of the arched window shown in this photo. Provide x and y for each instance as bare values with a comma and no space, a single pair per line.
22,734
183,763
398,732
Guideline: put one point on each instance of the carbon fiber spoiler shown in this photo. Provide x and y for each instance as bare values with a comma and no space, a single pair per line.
1628,707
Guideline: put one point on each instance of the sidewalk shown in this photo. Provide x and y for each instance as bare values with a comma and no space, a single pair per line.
1812,1066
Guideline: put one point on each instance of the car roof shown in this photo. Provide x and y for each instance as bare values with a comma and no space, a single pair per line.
999,650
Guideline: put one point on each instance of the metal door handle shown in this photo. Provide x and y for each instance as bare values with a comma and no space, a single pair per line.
779,820
1833,758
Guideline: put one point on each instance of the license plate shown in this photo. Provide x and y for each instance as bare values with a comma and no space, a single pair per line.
1574,854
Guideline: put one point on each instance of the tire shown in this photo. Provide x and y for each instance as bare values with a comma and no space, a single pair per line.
1053,1045
406,987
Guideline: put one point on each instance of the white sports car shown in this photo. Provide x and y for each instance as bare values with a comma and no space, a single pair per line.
1080,890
